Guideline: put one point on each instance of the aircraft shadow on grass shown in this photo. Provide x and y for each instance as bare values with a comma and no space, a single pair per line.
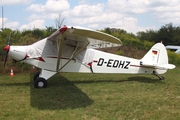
144,79
60,94
130,79
63,94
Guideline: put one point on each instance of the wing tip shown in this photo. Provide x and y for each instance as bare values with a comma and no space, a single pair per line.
63,29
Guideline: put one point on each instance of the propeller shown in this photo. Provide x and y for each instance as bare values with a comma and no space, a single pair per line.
7,48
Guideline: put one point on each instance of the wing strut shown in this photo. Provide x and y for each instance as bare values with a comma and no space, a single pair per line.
75,53
61,41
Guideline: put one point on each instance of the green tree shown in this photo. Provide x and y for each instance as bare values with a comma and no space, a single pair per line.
165,34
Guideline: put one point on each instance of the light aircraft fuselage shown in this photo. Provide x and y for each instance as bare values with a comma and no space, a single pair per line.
69,50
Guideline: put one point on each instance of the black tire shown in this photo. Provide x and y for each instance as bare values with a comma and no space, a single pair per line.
36,76
40,83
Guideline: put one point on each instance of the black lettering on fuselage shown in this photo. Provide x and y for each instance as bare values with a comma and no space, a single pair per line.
114,63
121,64
109,62
127,64
100,62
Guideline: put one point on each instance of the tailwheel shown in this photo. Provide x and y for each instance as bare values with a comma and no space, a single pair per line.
40,83
160,77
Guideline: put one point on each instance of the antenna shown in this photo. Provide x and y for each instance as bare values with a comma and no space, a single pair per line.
2,20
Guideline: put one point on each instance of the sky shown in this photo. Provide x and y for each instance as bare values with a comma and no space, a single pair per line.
130,15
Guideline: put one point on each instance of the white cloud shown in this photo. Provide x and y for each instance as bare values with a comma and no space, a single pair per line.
9,24
81,2
87,10
129,24
94,26
98,19
12,2
4,19
43,16
124,14
36,8
12,25
50,6
128,6
166,8
37,17
48,11
164,11
34,24
57,6
169,17
100,16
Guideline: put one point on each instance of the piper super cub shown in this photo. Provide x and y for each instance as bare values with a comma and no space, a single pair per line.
70,49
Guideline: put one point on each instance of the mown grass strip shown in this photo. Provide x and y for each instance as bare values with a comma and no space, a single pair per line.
91,96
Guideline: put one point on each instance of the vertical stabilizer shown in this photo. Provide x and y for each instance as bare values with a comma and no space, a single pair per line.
157,57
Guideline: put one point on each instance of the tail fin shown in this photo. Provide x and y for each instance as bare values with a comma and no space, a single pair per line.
157,57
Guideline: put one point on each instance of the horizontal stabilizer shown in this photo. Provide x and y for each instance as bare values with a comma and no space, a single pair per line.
162,66
167,66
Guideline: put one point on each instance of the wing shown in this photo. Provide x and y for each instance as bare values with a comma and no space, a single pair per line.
84,35
79,38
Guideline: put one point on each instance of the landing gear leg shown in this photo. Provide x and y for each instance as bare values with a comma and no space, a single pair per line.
160,77
36,76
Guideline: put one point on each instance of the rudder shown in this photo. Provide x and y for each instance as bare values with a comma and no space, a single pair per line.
156,55
157,58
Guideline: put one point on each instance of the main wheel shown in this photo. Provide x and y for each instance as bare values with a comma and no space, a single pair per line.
40,83
36,76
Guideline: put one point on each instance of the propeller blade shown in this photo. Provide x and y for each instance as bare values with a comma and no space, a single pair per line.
6,48
6,56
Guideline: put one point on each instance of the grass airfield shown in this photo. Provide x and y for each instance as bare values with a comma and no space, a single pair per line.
91,96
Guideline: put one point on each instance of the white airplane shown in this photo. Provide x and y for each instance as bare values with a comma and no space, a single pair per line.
173,48
69,49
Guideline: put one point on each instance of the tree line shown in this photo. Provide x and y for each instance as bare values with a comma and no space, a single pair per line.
143,40
168,34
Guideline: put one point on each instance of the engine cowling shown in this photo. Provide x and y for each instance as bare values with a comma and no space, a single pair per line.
17,53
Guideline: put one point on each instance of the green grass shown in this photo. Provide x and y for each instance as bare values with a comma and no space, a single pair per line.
91,96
